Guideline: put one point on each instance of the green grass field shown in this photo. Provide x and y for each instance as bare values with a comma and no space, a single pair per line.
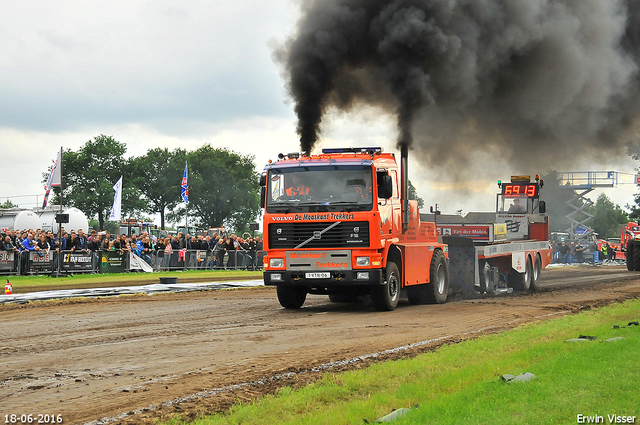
460,383
37,283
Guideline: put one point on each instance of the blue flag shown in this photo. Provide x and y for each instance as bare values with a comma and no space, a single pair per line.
185,185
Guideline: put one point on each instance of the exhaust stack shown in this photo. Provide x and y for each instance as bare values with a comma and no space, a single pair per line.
404,170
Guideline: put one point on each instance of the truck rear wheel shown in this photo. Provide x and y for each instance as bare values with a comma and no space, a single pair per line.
291,297
522,281
486,285
629,255
438,288
635,255
537,269
385,297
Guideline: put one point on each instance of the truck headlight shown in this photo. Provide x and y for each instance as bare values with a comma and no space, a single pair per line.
276,263
362,261
362,276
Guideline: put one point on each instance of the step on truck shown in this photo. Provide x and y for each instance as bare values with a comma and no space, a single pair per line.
502,251
340,223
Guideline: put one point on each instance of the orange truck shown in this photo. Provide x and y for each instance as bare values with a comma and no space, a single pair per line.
340,223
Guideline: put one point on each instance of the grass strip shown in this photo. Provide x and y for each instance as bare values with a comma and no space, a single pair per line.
460,384
35,283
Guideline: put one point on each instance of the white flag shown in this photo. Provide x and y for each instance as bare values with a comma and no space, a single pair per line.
117,202
54,180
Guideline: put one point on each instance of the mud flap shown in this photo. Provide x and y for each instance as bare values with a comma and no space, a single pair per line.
461,263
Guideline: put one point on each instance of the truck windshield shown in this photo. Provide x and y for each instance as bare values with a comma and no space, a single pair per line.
320,188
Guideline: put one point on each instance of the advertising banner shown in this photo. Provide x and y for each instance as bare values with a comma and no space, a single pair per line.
40,263
7,260
112,262
77,262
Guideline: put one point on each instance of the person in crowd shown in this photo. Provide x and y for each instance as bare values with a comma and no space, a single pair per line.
230,249
192,244
9,245
43,245
159,252
74,243
95,246
571,257
579,252
106,241
28,246
243,252
168,251
564,250
147,250
259,253
611,251
175,256
604,249
218,252
82,241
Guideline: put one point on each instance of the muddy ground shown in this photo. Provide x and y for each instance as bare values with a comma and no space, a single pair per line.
131,359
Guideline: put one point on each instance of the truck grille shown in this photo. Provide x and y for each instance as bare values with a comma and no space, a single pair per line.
347,234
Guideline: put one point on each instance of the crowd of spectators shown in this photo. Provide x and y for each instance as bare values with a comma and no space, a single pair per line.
179,251
573,252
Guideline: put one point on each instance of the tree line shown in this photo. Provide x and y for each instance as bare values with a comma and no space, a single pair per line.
223,185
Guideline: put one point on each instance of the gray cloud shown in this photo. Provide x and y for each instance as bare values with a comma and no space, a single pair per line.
66,67
540,82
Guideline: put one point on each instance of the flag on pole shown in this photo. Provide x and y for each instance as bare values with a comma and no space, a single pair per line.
54,180
185,185
117,202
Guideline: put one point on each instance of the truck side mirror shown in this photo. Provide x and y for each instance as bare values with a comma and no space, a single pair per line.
263,195
385,186
263,180
542,207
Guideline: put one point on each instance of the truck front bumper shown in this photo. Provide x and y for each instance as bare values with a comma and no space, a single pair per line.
366,277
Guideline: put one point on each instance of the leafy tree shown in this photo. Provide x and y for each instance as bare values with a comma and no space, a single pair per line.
89,174
414,195
223,189
160,174
8,204
607,217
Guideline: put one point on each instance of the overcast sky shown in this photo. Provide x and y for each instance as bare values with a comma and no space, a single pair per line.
178,74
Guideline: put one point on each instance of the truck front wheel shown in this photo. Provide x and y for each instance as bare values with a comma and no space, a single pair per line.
291,297
385,297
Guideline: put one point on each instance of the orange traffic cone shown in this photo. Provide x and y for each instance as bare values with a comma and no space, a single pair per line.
8,288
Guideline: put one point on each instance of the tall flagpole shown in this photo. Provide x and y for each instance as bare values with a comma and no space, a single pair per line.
59,271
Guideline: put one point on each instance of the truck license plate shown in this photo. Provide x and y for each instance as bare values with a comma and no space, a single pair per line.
318,275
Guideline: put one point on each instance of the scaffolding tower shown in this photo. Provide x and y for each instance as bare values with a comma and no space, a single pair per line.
582,183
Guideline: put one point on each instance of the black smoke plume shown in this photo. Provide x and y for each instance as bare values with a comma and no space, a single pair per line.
547,78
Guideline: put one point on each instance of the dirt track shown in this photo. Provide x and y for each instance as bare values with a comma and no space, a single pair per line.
92,359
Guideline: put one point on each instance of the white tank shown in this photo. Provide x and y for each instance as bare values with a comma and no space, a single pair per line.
19,220
77,220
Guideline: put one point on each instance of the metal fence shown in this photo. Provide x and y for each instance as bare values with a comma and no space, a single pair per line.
205,259
49,262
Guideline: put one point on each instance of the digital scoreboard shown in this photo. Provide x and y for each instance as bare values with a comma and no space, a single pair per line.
513,190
